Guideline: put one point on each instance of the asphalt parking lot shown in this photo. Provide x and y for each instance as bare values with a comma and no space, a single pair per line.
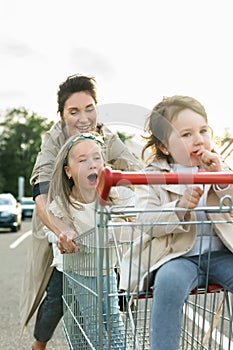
12,262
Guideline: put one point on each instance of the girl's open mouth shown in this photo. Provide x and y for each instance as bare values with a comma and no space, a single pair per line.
92,177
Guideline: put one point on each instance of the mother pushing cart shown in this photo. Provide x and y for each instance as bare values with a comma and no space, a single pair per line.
77,101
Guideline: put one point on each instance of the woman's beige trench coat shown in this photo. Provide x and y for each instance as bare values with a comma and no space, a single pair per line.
168,241
39,258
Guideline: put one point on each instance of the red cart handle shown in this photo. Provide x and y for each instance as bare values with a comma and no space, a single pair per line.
109,178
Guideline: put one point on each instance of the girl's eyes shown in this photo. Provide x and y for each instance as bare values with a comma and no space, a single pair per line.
204,131
188,134
85,159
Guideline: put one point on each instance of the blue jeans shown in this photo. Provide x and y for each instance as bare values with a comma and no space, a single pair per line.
173,282
50,311
114,331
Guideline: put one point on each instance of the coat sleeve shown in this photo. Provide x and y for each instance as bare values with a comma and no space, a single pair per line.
157,211
52,141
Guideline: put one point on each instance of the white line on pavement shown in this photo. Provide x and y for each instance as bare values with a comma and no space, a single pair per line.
20,239
216,335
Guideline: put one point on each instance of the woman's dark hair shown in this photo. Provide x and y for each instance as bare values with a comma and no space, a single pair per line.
75,83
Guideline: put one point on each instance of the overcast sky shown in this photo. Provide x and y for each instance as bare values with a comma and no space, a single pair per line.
138,51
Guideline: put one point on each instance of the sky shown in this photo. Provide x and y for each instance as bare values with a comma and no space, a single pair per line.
138,51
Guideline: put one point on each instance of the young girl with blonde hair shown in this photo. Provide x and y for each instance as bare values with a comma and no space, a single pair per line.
183,256
72,198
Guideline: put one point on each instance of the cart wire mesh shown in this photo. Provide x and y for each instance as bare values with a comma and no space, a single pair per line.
100,315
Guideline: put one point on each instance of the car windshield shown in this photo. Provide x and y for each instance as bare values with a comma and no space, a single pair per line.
5,201
27,202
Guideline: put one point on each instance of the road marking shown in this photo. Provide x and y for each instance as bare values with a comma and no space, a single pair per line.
216,335
20,239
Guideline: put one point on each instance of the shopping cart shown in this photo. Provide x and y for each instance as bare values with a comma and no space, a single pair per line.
98,315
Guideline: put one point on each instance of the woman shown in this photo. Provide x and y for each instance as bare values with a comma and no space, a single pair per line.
77,101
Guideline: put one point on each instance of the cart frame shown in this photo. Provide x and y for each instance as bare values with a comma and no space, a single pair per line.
208,304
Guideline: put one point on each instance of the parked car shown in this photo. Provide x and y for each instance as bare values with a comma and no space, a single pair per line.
27,207
10,212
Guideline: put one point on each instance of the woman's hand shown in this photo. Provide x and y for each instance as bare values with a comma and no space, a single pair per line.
65,242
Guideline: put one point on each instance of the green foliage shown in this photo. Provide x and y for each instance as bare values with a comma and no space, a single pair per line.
20,140
227,136
124,136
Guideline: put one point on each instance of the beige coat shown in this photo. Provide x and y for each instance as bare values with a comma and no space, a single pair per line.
38,270
168,241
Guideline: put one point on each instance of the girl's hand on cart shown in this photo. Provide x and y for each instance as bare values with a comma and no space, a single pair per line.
189,200
65,242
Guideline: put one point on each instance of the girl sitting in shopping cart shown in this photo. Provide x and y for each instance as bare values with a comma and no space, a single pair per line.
179,141
72,197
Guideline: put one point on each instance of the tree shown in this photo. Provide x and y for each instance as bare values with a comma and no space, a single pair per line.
133,145
124,136
20,140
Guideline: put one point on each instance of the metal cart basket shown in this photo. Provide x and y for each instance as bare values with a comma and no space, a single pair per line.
98,315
